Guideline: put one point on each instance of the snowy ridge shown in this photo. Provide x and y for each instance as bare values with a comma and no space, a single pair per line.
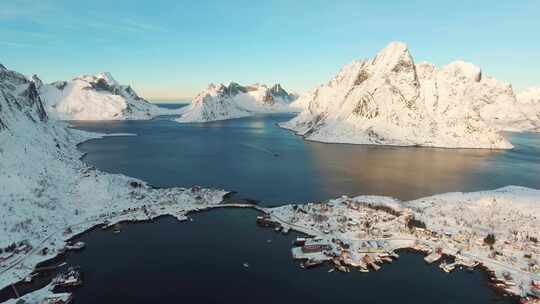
45,188
95,97
529,104
390,100
219,102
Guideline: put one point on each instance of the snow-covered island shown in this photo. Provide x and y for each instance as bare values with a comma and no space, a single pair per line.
95,97
498,229
48,195
220,102
391,100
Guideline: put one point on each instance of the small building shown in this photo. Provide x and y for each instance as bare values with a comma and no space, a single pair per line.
265,221
311,248
300,241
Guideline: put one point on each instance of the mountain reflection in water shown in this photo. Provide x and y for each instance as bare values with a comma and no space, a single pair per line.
402,172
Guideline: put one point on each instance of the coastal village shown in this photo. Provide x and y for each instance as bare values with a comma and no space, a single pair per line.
21,260
481,230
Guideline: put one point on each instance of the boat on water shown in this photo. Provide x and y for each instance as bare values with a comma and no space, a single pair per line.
535,288
60,298
342,268
117,228
433,257
393,254
105,224
28,278
362,269
529,300
75,246
447,267
311,263
386,259
508,279
371,262
71,278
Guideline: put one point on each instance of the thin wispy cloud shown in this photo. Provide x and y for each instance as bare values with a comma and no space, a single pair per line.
54,20
122,26
143,26
21,44
25,9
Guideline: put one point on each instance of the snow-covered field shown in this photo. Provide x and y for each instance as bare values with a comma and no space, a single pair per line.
391,100
95,97
220,102
42,296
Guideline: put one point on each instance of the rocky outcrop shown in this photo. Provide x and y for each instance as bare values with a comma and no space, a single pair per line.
19,96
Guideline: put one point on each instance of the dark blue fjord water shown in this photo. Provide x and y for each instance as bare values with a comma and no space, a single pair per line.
261,161
201,262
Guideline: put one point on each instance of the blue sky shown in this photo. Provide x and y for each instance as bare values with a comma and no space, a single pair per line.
174,48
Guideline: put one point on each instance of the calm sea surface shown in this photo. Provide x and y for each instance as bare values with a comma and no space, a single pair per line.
167,261
202,262
261,161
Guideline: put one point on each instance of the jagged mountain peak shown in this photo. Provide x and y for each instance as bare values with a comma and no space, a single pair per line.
102,77
231,89
463,70
232,84
107,77
19,96
393,56
277,88
2,67
390,100
215,86
529,95
393,66
232,100
37,81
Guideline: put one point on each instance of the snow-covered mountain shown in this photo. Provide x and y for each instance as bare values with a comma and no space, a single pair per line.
529,104
390,100
219,102
19,101
95,97
530,96
46,188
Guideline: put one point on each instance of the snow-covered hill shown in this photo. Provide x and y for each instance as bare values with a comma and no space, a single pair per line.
45,188
529,104
95,97
390,100
219,102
